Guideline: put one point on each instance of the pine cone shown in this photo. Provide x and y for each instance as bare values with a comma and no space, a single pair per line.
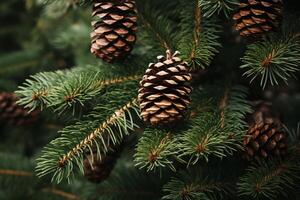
114,32
255,17
12,114
165,89
98,170
265,137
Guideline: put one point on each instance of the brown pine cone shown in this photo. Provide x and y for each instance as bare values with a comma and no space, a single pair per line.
114,33
165,88
12,114
265,137
256,17
99,170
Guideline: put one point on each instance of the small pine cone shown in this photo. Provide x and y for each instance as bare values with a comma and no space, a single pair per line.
265,137
165,88
115,29
12,114
97,170
256,17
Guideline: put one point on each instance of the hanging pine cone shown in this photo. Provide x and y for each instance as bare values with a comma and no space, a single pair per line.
12,114
265,136
114,32
165,89
98,170
255,17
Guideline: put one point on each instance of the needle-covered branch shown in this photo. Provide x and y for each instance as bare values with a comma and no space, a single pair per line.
194,186
156,149
103,128
211,7
156,27
68,89
198,38
216,133
272,60
270,179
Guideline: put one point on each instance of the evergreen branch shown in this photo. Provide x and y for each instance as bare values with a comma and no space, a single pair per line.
15,175
205,139
61,193
216,133
198,41
233,109
119,80
197,29
10,172
35,91
62,90
211,7
63,154
269,179
157,26
272,60
188,187
18,61
96,133
155,149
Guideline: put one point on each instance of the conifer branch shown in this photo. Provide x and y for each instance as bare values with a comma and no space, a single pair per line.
61,193
211,7
267,179
272,60
162,42
10,172
198,41
216,133
64,154
156,26
90,138
62,90
155,149
193,186
119,80
197,29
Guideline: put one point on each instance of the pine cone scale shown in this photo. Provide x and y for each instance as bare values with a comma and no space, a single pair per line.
258,17
114,35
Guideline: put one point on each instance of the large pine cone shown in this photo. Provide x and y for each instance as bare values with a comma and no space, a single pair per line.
165,89
255,17
97,170
265,136
12,114
114,32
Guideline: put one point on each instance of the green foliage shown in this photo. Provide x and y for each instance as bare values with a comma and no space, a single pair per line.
198,38
216,133
107,125
156,27
19,61
15,175
270,179
272,60
65,90
103,95
195,186
17,181
211,7
156,148
206,139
